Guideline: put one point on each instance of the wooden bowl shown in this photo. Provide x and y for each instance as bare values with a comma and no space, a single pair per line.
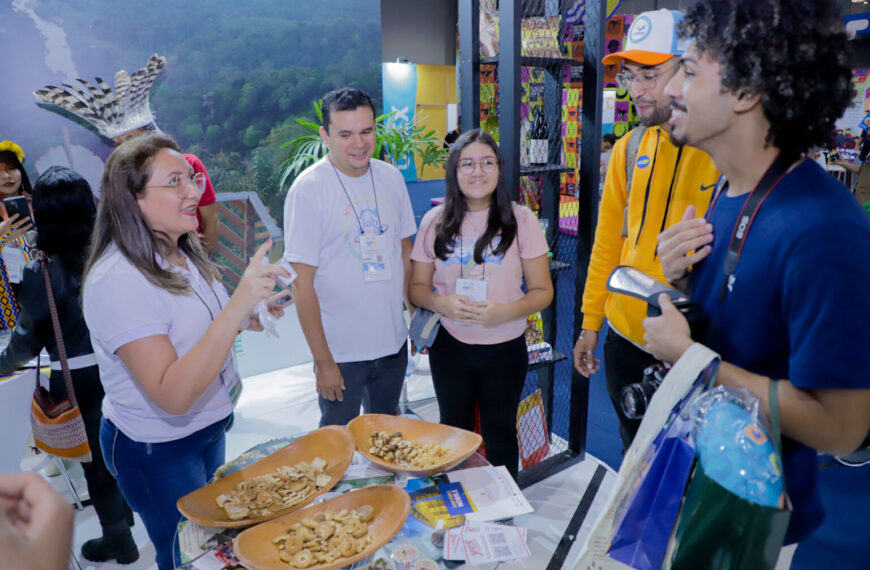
254,547
332,443
460,443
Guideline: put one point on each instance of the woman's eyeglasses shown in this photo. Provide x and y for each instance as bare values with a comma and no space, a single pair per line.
196,180
486,165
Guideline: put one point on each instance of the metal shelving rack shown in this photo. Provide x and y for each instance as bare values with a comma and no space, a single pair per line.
510,63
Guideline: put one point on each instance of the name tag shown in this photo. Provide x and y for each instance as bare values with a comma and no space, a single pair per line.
15,262
230,378
474,289
375,253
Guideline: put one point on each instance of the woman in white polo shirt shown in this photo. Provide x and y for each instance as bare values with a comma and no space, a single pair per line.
162,327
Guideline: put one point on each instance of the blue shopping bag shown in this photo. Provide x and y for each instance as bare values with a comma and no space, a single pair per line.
646,518
641,536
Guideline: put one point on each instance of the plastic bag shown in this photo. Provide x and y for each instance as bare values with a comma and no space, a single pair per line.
734,446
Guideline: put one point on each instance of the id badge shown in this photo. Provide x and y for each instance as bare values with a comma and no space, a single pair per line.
15,262
230,378
474,289
375,252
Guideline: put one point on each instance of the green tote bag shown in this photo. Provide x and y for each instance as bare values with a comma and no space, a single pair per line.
717,530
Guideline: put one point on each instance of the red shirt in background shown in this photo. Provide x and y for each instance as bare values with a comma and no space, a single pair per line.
208,196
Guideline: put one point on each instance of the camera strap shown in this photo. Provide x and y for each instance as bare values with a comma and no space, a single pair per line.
775,173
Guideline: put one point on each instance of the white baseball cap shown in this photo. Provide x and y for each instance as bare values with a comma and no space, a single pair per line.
652,39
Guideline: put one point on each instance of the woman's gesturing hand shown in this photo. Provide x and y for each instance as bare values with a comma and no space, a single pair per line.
257,282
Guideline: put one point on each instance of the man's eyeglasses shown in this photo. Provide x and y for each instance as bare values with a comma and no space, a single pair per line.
196,180
487,165
646,79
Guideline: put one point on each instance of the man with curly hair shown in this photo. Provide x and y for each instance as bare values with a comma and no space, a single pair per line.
761,83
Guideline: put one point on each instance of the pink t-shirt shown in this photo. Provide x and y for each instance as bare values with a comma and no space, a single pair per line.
503,274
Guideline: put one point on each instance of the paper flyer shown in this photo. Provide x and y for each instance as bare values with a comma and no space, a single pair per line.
492,491
479,543
455,499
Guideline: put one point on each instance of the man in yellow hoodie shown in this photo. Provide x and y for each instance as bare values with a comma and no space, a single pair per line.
639,201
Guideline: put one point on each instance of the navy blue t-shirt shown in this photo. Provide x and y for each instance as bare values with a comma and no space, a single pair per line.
799,304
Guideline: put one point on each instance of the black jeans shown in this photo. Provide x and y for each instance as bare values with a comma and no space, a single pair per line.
374,384
624,364
490,375
103,489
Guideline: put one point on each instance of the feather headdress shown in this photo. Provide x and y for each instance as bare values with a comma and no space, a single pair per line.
111,113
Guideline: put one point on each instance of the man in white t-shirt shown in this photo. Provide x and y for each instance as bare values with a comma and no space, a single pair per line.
348,224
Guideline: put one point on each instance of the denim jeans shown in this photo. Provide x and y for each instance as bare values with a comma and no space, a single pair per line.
376,384
153,476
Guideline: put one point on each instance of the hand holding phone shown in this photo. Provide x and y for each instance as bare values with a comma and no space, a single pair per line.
17,205
285,282
280,300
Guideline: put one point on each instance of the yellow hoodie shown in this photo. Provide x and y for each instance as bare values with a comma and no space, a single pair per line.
680,177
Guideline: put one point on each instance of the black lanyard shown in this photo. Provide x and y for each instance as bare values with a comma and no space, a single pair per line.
374,191
775,173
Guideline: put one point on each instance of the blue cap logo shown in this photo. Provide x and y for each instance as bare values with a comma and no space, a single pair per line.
641,28
642,161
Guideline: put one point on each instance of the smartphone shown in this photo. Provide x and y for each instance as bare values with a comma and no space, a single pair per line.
280,302
17,205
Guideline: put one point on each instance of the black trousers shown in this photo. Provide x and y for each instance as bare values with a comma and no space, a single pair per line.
108,501
490,375
624,364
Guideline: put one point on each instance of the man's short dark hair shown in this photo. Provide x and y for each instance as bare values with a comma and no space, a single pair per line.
344,99
793,52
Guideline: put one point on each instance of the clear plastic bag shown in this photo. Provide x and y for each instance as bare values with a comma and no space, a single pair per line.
732,439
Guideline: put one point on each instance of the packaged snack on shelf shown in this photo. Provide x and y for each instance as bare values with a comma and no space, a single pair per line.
534,329
540,352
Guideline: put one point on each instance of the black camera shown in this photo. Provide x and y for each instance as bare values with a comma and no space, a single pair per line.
635,398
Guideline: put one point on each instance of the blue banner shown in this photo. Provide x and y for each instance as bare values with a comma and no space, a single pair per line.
400,98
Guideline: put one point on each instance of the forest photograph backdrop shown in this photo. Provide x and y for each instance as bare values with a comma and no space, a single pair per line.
237,74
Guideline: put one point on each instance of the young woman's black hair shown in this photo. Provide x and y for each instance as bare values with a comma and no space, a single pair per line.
501,220
64,214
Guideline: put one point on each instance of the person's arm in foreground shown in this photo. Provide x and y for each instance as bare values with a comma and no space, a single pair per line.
175,383
36,524
832,421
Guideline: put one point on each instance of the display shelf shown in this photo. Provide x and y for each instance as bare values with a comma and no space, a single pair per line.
544,169
529,61
557,357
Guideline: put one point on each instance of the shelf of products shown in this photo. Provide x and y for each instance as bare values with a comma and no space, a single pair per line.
528,61
544,169
557,357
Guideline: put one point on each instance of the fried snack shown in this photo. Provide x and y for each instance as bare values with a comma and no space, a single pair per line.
394,449
267,494
325,537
